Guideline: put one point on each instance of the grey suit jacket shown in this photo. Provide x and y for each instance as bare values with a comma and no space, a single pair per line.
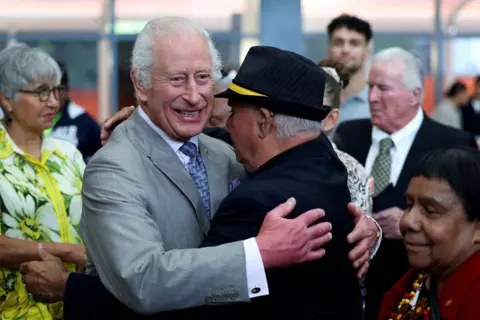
142,217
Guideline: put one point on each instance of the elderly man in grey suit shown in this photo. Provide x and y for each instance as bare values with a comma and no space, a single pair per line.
143,210
150,193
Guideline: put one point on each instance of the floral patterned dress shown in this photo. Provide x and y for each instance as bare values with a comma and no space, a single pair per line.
359,183
39,201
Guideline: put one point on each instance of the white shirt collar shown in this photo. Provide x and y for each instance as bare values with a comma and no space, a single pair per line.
175,145
476,105
408,131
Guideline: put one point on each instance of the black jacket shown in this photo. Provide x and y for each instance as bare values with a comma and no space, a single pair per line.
78,127
324,289
470,119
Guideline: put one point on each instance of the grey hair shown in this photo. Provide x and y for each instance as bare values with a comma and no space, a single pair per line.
413,75
143,50
20,65
290,126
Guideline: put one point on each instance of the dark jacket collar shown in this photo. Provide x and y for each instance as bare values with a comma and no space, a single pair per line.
302,151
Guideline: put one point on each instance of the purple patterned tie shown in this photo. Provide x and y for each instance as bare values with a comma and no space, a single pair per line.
196,169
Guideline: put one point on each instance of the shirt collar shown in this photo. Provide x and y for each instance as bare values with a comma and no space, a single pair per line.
410,129
175,145
8,146
476,105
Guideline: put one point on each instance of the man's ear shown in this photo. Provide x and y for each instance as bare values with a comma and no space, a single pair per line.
140,91
417,96
331,120
265,122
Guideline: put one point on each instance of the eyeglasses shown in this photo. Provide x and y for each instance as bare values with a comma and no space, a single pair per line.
44,93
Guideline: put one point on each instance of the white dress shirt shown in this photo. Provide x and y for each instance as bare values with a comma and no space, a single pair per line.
476,106
402,142
256,277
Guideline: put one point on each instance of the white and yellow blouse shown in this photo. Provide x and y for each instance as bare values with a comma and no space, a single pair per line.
39,201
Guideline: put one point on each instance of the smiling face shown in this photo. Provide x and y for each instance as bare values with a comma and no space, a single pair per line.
29,112
437,235
180,100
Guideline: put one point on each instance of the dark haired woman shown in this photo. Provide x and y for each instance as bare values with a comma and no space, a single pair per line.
441,232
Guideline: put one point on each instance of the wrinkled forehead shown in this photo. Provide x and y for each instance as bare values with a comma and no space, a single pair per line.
186,48
433,189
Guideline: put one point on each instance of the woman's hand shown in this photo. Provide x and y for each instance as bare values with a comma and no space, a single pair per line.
73,253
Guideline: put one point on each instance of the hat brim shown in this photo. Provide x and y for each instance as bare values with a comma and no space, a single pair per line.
278,105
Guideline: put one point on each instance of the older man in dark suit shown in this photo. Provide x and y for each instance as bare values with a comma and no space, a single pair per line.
278,105
398,136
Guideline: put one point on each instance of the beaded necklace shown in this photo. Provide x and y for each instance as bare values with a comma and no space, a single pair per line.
412,307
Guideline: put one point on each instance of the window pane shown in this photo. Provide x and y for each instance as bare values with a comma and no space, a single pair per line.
47,9
316,47
80,58
466,61
212,14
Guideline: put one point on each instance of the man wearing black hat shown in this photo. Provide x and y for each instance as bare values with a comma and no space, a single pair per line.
278,106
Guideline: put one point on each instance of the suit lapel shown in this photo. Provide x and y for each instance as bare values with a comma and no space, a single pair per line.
362,146
167,161
419,145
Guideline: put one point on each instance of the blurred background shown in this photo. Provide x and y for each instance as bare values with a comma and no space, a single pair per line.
95,37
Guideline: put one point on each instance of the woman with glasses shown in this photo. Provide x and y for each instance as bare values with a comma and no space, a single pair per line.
40,179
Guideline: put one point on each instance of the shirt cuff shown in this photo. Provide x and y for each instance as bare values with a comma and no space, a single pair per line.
256,276
379,239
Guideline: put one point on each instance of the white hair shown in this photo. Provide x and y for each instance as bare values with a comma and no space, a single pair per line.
290,126
413,75
21,65
224,82
143,50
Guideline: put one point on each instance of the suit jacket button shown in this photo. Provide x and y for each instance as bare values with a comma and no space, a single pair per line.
256,290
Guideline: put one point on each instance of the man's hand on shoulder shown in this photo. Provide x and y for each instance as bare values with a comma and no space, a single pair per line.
283,242
111,123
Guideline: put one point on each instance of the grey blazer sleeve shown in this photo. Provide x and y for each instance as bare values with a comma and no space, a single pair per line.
128,253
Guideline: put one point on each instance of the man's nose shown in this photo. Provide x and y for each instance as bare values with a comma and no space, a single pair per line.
193,96
373,94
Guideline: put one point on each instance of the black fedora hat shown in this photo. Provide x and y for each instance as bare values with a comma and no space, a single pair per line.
280,81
